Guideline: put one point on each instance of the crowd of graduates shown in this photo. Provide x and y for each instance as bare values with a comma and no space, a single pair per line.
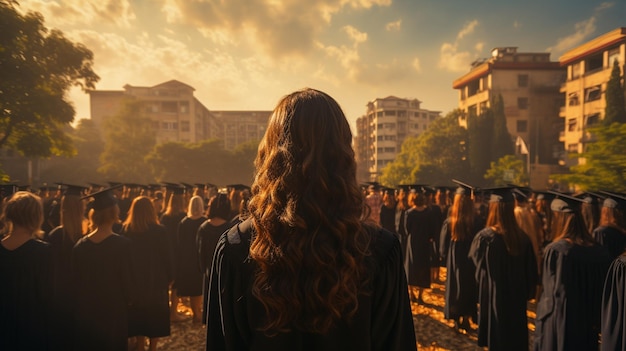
503,247
105,268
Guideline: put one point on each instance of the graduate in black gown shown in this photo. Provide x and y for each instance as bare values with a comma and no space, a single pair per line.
25,264
304,272
611,233
388,211
574,267
613,325
153,271
62,240
506,273
457,233
102,272
208,235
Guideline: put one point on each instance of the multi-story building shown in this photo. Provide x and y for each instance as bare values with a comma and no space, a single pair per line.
175,113
529,85
238,127
382,130
588,71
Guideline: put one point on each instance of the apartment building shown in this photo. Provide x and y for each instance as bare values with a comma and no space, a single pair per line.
529,84
238,127
588,71
382,130
176,114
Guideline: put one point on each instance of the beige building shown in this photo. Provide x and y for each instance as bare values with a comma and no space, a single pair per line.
588,71
529,84
238,127
382,130
177,115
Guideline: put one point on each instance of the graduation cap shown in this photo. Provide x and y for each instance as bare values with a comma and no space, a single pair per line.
7,190
103,198
114,184
187,186
501,194
154,187
96,185
544,195
238,187
564,203
71,189
174,188
463,188
614,200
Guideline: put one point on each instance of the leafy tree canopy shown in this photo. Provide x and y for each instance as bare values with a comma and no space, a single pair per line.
508,169
38,67
615,110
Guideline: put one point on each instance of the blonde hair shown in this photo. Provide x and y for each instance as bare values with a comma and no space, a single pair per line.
196,207
24,209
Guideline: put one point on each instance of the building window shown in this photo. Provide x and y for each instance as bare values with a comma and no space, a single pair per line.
390,149
572,99
379,138
184,126
522,126
183,106
572,148
593,63
571,125
576,70
169,125
432,117
169,106
613,56
522,80
593,93
522,103
380,149
390,112
590,120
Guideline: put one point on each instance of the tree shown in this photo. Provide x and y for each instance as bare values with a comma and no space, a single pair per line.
129,138
82,167
480,135
502,144
38,67
603,164
434,157
508,169
615,110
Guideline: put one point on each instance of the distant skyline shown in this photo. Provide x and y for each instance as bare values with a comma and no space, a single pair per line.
247,54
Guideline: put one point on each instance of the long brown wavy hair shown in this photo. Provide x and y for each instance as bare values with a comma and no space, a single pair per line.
462,218
502,219
570,225
306,208
72,217
140,215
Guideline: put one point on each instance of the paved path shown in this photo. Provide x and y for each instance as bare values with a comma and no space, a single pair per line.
433,332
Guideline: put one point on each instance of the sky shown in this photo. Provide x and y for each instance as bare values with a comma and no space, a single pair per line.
247,54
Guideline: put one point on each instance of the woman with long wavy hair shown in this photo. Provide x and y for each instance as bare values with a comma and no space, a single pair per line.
153,272
457,233
304,271
611,232
506,273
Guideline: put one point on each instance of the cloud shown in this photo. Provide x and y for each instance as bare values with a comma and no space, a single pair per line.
74,12
280,29
394,26
454,60
417,65
583,30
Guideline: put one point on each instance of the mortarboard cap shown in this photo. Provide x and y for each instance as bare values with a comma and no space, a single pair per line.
544,195
71,189
501,194
463,188
564,203
614,200
174,188
114,184
238,187
103,198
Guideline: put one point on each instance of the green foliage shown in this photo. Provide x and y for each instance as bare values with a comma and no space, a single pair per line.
39,67
480,136
603,164
498,172
128,137
81,168
502,144
434,157
615,110
203,162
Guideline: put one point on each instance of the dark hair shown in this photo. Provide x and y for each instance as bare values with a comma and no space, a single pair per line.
306,206
219,207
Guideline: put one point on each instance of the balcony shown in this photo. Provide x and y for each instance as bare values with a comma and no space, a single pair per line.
562,136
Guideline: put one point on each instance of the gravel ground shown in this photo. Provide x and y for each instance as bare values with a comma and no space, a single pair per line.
432,331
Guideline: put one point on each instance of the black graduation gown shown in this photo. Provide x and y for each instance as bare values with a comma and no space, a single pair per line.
24,296
614,307
568,312
461,293
505,284
208,236
388,218
188,274
102,274
171,222
611,238
153,271
419,227
63,293
382,322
